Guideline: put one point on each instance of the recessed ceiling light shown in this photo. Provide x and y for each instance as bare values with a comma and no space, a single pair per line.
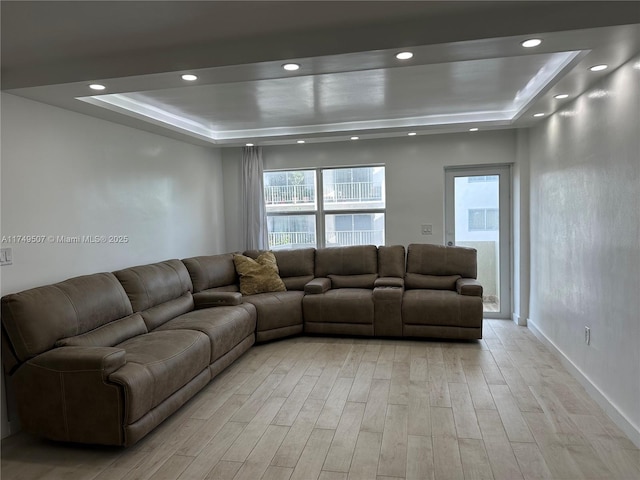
300,141
249,144
474,129
599,93
560,96
189,77
404,55
411,134
291,67
532,42
538,114
97,86
355,138
598,68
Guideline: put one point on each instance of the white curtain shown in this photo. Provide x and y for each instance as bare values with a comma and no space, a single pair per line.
253,208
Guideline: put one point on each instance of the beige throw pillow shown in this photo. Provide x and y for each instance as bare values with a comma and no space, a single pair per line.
259,275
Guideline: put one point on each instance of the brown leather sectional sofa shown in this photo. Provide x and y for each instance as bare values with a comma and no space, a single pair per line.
105,358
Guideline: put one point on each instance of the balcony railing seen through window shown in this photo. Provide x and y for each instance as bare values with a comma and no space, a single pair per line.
352,192
289,194
350,211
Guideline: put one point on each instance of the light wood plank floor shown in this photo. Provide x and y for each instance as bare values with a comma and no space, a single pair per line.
325,408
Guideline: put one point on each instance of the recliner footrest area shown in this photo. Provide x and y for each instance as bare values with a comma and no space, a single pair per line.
441,308
276,310
343,305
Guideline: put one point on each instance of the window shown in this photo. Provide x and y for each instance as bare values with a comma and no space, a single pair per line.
359,229
483,219
350,212
291,231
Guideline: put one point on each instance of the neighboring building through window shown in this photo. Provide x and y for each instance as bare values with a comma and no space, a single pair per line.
483,219
351,210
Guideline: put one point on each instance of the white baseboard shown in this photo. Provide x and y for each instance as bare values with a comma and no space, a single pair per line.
631,430
518,320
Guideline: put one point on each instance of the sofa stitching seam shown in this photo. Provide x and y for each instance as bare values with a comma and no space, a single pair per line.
64,405
17,324
123,294
120,416
72,305
179,277
197,260
172,356
144,287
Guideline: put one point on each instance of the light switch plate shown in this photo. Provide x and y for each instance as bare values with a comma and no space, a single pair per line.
427,229
6,256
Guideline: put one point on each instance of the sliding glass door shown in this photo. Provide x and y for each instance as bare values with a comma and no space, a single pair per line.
478,215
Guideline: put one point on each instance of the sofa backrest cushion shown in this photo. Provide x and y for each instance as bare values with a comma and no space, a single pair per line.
365,280
212,271
391,261
36,319
430,282
296,267
428,259
159,291
355,260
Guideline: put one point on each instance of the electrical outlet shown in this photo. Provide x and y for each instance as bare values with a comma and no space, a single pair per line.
6,256
427,229
587,335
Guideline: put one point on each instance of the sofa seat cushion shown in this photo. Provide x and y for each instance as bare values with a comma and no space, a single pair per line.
225,327
441,307
277,309
157,365
344,305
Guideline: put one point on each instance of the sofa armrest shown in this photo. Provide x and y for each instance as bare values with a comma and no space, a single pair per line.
81,359
469,286
387,307
317,285
216,299
65,394
389,282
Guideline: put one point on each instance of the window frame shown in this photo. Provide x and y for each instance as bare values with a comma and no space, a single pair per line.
320,212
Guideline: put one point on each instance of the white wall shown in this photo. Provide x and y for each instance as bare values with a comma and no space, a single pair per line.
414,174
68,174
585,231
521,235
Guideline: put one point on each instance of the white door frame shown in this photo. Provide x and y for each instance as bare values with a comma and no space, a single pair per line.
504,173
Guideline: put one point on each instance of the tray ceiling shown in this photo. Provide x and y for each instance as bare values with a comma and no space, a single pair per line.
484,82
